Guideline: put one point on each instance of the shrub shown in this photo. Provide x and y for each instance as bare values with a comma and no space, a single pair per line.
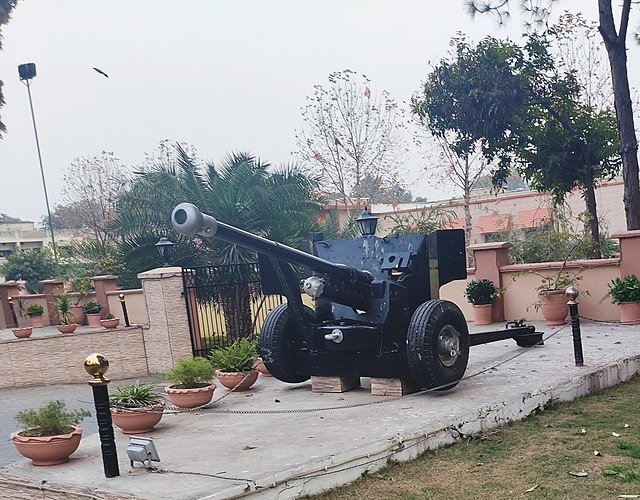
63,303
189,373
626,289
92,307
237,357
135,396
50,420
481,292
35,310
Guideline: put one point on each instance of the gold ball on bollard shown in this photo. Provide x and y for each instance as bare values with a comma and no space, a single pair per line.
572,292
97,365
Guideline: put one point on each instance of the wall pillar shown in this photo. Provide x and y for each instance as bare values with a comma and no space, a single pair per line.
629,252
102,285
9,289
52,288
168,337
489,258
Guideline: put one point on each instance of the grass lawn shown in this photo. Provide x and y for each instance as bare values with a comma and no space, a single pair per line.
589,448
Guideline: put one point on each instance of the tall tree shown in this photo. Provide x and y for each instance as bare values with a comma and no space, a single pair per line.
615,39
6,6
512,100
241,191
91,188
350,134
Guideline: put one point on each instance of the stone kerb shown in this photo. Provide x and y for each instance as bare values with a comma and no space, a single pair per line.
168,337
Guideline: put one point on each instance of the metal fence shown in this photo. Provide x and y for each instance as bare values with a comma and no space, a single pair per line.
224,303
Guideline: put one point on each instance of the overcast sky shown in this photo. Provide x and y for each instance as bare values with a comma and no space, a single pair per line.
223,75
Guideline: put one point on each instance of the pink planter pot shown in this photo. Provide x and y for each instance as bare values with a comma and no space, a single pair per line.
67,328
240,380
49,450
110,323
22,333
554,307
93,320
190,398
483,314
137,421
629,312
37,322
261,368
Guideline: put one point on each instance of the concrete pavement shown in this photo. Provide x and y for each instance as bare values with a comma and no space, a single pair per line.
282,441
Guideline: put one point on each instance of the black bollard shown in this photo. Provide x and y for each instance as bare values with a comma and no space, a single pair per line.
97,365
13,311
124,309
572,294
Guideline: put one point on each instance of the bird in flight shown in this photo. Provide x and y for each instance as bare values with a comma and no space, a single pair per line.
101,72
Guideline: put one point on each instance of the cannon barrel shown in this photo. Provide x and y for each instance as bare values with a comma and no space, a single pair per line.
187,219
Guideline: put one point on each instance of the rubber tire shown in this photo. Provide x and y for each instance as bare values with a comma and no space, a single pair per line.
422,345
529,340
277,342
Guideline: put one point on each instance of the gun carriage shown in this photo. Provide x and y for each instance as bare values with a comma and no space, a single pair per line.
377,311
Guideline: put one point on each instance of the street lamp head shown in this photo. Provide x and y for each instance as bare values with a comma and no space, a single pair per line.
27,71
165,249
367,222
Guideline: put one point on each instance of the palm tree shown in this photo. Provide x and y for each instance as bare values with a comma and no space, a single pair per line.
240,191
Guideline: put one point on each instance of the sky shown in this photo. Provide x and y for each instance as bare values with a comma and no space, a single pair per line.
222,75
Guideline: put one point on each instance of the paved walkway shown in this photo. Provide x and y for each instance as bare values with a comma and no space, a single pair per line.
282,441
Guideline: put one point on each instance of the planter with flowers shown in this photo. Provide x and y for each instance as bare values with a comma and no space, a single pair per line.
92,310
626,293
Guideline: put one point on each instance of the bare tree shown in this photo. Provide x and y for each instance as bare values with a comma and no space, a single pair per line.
349,134
92,186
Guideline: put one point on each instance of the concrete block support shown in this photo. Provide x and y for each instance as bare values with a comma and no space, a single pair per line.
629,252
489,258
168,337
52,288
103,285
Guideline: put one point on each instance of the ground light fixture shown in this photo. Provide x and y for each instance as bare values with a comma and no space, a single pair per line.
367,222
165,249
143,450
27,72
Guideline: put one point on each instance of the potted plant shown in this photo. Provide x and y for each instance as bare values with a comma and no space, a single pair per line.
92,310
234,365
481,293
110,321
22,332
136,408
81,288
49,434
626,293
35,312
192,385
67,323
551,298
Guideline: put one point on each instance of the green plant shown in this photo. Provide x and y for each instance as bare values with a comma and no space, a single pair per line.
92,307
35,310
236,357
481,292
626,289
63,304
50,420
135,396
189,373
82,287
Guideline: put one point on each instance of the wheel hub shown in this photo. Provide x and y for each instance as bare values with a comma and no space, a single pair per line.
448,345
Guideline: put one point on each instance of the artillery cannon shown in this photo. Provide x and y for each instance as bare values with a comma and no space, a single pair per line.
377,311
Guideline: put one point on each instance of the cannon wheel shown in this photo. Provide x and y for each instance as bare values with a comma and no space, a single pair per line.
277,343
438,344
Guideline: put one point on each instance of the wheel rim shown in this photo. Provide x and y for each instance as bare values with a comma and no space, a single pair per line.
448,345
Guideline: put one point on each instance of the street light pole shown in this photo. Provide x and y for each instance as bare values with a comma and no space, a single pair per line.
28,72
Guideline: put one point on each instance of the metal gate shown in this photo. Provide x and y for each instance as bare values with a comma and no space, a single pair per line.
224,303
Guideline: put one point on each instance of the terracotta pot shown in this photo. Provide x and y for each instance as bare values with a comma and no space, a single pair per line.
22,333
629,312
259,365
554,307
48,450
77,314
93,320
137,420
37,322
483,314
70,328
110,323
190,398
242,381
